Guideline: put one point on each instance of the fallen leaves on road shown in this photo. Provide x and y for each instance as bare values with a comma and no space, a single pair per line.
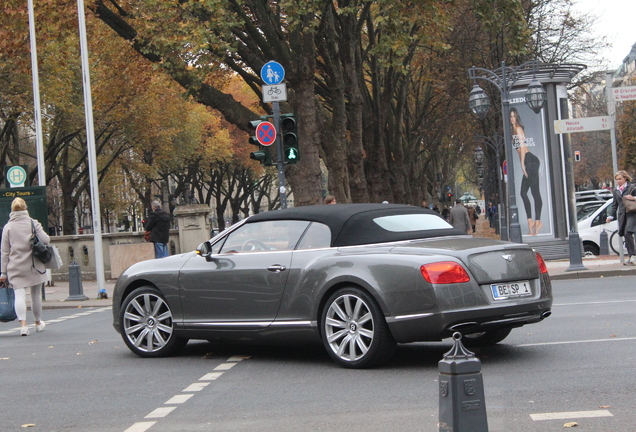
570,425
605,406
4,358
93,342
28,425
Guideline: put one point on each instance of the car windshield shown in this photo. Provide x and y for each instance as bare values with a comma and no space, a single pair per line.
412,222
585,210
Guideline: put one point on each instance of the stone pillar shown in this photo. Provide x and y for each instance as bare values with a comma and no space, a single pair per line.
194,225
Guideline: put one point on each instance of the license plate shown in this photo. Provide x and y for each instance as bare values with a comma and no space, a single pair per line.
510,290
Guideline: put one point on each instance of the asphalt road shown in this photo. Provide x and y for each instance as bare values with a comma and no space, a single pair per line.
576,366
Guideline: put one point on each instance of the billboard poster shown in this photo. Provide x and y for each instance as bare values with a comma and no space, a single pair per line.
532,174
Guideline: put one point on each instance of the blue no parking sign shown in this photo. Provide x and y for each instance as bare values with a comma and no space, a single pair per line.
272,73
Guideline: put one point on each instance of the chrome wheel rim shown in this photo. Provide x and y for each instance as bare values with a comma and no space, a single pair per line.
349,327
148,322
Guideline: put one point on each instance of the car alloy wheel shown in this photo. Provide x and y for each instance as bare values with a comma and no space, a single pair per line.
355,332
147,325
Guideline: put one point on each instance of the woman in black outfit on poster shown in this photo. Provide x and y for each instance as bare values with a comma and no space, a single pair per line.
530,166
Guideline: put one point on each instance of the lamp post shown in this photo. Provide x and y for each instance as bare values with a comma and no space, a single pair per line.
504,80
496,144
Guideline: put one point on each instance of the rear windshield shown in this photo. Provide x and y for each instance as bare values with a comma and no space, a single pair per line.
412,222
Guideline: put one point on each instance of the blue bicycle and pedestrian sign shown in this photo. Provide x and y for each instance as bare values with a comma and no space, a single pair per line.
266,133
272,73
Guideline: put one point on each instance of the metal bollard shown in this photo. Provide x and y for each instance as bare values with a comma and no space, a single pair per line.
75,290
604,244
462,404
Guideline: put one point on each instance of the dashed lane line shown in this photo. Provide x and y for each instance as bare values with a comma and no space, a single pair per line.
61,319
185,394
571,415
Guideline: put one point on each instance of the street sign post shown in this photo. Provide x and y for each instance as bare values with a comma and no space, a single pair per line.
624,93
587,124
275,93
272,73
266,133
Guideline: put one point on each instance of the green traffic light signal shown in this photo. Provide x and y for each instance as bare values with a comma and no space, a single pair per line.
289,132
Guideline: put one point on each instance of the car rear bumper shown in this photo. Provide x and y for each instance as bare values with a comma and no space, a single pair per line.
436,326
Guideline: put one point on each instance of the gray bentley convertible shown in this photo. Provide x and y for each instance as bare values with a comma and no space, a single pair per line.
358,278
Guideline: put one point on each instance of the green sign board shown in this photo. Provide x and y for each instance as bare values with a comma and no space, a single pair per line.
35,198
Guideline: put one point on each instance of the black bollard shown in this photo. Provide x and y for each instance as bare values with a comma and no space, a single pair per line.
604,244
75,290
462,403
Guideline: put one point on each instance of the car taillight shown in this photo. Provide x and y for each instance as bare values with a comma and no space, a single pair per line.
444,272
542,267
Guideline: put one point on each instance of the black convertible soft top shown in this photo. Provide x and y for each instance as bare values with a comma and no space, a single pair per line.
352,224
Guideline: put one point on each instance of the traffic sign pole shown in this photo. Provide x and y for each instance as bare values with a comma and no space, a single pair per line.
280,163
273,73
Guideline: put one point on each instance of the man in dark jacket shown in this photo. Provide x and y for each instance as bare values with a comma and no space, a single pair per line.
159,226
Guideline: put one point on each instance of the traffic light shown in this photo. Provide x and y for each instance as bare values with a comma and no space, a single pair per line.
263,154
449,195
577,156
289,131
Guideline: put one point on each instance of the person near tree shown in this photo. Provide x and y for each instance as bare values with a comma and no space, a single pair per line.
458,217
158,224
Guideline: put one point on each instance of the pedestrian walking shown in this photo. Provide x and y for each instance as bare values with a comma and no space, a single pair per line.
458,217
158,224
624,189
472,216
490,213
330,199
19,267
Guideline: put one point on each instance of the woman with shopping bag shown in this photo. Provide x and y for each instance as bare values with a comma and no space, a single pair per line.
18,265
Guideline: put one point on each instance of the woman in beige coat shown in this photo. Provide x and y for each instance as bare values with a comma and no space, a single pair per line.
18,265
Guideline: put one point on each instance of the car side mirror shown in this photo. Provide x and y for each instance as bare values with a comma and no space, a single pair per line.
205,250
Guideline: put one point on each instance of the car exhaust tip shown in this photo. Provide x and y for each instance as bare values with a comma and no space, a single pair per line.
463,326
546,314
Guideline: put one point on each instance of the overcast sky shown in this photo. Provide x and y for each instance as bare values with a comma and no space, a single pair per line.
617,20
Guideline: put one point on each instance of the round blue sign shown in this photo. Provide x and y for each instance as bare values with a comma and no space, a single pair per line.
266,133
272,73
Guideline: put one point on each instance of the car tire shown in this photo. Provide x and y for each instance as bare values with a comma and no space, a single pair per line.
591,249
487,338
147,326
354,330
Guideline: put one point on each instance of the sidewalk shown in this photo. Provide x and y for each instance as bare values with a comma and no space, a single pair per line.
56,296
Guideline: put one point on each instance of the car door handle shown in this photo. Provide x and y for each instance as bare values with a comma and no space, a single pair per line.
276,268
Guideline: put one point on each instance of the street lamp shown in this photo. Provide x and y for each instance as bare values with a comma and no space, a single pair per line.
496,144
479,103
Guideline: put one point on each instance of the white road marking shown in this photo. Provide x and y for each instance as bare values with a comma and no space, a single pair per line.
577,342
571,415
178,399
61,319
224,366
140,427
161,412
210,376
195,387
183,396
592,303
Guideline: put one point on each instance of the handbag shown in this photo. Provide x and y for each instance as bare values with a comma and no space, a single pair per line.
39,249
7,303
56,261
630,205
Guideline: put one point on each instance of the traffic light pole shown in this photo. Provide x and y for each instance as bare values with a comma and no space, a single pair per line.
280,157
